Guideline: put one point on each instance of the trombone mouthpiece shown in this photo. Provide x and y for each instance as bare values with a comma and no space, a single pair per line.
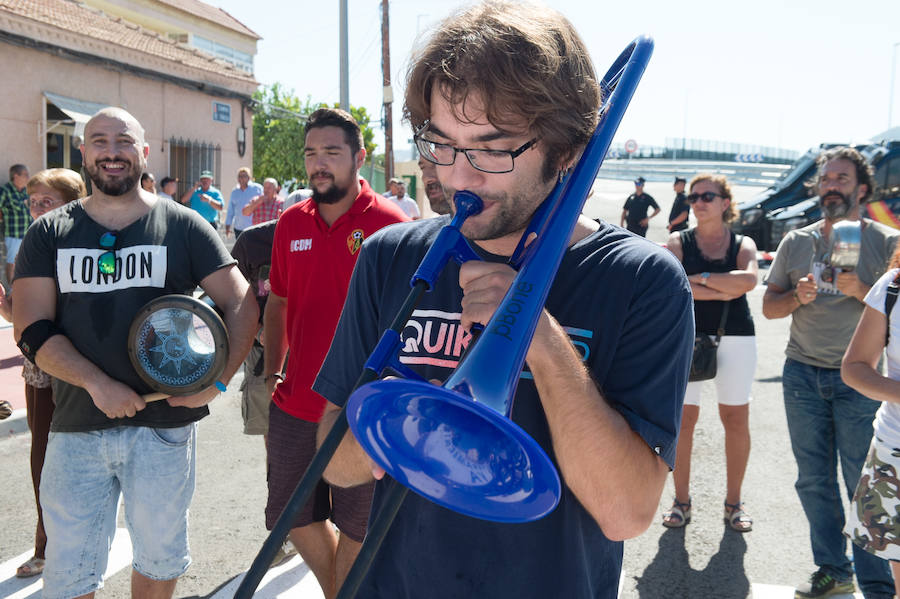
467,204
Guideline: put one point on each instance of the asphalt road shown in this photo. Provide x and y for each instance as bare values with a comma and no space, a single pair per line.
704,560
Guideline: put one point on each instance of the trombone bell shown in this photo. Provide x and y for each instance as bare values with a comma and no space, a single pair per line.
454,451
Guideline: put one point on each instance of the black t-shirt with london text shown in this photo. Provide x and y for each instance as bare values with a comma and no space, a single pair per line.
169,250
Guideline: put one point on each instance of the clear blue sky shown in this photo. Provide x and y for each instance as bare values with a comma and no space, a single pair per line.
786,73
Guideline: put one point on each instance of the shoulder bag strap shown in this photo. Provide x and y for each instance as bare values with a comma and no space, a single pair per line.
889,300
732,254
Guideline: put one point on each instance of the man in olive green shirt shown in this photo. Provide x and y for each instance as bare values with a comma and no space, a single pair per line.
827,418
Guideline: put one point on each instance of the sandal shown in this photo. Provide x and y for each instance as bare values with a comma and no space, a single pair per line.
678,515
32,567
736,518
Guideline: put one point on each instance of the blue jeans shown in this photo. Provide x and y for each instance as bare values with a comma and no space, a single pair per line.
825,418
83,475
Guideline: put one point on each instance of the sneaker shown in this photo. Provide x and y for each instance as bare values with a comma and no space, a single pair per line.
822,584
286,552
6,409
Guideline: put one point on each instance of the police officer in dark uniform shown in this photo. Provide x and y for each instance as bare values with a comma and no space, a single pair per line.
681,209
634,214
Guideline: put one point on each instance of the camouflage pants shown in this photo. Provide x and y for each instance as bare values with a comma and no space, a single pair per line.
874,519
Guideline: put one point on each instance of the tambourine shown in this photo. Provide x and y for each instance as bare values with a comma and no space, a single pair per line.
178,345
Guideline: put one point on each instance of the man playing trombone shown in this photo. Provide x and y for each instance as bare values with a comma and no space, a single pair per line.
503,98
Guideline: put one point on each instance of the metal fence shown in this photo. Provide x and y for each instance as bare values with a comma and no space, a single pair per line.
678,148
188,158
761,175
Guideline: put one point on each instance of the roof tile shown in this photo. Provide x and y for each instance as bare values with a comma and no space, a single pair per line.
210,13
76,17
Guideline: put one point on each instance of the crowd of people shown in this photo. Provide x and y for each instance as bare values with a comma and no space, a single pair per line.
314,278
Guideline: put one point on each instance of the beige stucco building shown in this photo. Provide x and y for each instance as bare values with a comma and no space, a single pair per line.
184,69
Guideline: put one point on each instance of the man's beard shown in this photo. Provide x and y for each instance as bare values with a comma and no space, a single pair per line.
509,218
332,195
436,198
835,211
116,187
513,207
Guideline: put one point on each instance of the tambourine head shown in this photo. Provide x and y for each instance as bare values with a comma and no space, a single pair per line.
454,451
178,345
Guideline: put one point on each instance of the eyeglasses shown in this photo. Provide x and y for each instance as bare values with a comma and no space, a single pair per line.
46,203
107,260
707,197
486,161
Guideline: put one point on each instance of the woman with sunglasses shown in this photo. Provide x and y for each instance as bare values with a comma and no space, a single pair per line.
46,190
721,268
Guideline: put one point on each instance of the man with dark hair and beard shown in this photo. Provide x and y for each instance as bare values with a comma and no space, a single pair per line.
85,270
437,199
503,97
315,249
826,417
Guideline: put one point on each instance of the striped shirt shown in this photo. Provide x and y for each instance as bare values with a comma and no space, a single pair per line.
16,211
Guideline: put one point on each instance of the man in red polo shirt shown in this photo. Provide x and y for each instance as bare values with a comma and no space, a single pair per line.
315,249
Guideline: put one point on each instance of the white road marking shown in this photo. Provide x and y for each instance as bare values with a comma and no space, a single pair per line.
290,580
774,591
30,588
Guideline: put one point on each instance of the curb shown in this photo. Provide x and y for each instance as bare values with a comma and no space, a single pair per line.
16,424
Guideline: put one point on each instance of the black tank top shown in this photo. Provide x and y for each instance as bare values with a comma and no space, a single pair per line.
708,313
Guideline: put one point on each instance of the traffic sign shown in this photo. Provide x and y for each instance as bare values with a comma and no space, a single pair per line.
631,146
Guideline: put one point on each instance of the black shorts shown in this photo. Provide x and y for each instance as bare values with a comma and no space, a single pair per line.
291,447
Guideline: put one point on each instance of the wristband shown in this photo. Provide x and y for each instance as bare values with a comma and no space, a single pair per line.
797,297
274,375
221,386
35,335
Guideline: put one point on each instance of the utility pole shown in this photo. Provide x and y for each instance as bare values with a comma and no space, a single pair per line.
388,93
345,60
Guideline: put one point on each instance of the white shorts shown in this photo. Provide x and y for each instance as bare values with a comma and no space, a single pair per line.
735,367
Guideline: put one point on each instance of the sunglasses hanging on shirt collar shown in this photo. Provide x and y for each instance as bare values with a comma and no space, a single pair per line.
107,260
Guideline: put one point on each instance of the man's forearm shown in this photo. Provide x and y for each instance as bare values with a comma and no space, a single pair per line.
682,216
251,206
350,465
59,358
609,467
778,304
274,334
229,215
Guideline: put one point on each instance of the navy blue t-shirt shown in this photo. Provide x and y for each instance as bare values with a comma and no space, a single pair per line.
626,305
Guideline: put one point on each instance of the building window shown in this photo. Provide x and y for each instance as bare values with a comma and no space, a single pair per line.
239,59
188,158
221,112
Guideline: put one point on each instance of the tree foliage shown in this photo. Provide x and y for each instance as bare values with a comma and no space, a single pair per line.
278,136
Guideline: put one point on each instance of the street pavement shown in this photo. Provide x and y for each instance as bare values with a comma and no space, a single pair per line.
703,560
